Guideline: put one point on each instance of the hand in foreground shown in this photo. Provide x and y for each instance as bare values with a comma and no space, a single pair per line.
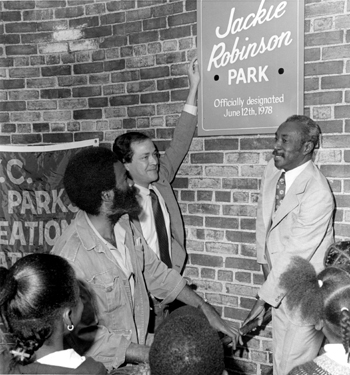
221,325
257,311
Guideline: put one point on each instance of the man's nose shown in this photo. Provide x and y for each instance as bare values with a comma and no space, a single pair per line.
277,144
130,182
153,160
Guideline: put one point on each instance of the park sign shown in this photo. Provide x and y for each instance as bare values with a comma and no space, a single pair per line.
35,208
251,57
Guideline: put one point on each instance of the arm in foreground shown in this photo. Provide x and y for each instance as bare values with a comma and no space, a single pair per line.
188,296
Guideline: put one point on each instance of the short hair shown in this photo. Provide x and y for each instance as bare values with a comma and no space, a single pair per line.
33,293
122,145
186,344
325,296
89,173
310,129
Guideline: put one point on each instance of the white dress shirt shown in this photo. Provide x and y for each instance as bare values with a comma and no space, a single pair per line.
291,175
147,221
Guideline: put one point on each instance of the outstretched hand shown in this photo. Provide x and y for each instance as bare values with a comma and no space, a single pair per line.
193,73
194,78
257,311
221,325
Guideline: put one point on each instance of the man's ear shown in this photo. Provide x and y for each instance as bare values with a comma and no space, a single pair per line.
308,147
319,326
107,196
126,165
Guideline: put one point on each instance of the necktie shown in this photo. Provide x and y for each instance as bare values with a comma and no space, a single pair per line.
161,230
280,190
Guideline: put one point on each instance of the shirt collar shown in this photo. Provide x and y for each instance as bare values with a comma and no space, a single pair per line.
295,172
88,240
146,191
291,175
69,357
337,353
142,190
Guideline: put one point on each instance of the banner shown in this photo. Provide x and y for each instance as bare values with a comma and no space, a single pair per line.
35,208
251,56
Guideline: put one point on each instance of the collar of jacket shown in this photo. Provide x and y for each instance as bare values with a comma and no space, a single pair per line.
88,238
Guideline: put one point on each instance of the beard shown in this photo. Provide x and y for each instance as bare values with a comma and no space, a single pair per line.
125,202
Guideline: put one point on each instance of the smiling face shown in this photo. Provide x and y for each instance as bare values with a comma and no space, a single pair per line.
290,150
144,164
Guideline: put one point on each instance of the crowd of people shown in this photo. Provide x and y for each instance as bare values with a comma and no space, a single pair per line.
111,296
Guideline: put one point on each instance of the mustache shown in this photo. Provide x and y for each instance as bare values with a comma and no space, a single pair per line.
276,153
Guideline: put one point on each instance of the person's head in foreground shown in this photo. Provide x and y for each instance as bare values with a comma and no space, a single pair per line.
39,303
295,141
185,344
322,300
97,182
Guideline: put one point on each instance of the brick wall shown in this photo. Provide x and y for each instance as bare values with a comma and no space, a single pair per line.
79,69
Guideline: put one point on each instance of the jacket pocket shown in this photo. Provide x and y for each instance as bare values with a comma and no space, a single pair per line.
108,291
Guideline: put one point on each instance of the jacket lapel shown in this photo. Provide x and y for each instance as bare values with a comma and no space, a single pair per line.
137,224
270,194
292,197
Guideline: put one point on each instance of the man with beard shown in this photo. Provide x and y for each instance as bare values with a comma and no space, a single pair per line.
294,217
116,267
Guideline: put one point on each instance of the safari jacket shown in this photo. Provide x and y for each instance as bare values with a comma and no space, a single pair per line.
117,319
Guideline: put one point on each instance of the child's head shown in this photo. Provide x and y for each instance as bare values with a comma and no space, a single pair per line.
186,344
39,295
323,299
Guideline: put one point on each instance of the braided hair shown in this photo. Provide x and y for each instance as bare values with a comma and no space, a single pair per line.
33,294
325,296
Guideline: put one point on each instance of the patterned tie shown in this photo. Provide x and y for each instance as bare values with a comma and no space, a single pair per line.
161,230
280,190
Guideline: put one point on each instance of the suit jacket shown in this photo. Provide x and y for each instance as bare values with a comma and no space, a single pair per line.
168,167
302,225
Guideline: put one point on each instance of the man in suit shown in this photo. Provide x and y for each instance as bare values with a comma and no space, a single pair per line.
152,176
294,217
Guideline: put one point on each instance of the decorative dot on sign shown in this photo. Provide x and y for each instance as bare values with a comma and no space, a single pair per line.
280,70
216,77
